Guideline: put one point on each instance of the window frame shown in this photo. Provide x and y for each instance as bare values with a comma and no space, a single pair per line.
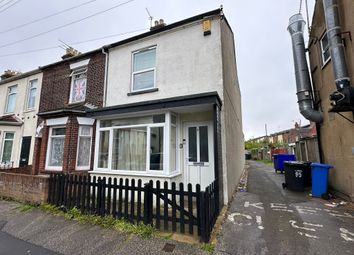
6,111
323,51
143,70
49,144
3,146
87,167
166,171
29,94
74,72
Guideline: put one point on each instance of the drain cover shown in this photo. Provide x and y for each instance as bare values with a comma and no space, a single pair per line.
169,247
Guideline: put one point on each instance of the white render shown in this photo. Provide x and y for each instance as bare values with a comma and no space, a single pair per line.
27,116
187,62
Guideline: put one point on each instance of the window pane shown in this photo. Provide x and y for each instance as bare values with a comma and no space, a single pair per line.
160,118
133,121
103,149
11,103
144,80
192,144
173,119
58,131
326,55
32,98
9,135
85,130
129,149
144,60
56,151
78,90
7,150
173,149
84,152
156,148
203,143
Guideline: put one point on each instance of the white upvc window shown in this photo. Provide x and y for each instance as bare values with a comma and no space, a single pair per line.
55,149
139,145
326,56
144,69
83,158
11,99
78,85
32,93
7,145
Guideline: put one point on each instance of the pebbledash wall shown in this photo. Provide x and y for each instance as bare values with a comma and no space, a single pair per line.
55,104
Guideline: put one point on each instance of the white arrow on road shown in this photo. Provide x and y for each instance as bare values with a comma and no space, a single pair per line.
344,234
256,205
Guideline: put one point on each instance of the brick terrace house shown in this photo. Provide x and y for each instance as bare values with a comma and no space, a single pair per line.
65,135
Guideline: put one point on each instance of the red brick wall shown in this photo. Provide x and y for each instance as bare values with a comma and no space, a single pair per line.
56,83
25,188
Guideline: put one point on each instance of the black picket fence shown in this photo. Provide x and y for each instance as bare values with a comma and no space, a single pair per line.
149,203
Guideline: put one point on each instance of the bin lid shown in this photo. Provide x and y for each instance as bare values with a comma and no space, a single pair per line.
298,163
321,165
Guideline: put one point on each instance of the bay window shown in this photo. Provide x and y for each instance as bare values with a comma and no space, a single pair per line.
55,151
84,148
141,145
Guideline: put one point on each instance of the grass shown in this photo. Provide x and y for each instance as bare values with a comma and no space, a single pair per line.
208,247
141,230
266,162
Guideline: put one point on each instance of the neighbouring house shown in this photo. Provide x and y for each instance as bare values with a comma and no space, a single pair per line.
331,102
66,136
19,102
172,106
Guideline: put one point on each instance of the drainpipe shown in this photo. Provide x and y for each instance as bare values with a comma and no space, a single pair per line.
343,98
105,77
303,82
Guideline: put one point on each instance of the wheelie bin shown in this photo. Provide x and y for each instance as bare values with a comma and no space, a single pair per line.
297,175
278,160
320,174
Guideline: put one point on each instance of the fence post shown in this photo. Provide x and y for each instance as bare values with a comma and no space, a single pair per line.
202,221
147,203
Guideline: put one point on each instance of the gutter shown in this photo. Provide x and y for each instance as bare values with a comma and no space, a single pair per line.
105,76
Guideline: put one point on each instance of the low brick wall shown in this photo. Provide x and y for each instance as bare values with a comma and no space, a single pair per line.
23,187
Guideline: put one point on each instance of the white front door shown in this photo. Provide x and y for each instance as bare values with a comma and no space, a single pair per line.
199,154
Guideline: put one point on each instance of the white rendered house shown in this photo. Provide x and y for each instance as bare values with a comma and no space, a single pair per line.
172,106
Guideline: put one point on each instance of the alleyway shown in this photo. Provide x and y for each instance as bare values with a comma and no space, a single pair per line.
269,220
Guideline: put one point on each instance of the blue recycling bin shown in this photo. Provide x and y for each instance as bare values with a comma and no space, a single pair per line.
320,174
278,160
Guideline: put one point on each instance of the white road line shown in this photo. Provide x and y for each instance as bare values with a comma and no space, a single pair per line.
307,235
344,234
313,225
231,217
282,210
259,222
256,205
293,224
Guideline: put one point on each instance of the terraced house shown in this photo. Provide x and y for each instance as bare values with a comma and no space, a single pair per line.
172,106
19,102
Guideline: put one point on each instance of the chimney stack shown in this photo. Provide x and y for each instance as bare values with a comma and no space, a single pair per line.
70,52
9,73
158,24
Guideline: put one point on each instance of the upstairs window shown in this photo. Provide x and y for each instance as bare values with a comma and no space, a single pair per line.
144,69
32,92
326,56
78,85
11,99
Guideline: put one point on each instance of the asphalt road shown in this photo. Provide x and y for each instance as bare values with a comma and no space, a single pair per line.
269,220
10,245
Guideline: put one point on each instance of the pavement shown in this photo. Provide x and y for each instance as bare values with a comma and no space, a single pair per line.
266,219
37,232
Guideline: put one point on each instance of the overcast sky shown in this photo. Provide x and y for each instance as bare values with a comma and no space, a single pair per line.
263,47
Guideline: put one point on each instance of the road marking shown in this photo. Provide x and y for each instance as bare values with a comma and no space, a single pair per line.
306,210
307,235
280,207
256,205
293,224
313,225
344,234
339,214
231,217
259,222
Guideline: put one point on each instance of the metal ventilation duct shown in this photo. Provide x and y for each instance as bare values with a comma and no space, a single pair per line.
343,98
303,82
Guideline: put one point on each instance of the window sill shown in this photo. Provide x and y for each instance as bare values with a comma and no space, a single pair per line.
143,174
325,64
142,92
